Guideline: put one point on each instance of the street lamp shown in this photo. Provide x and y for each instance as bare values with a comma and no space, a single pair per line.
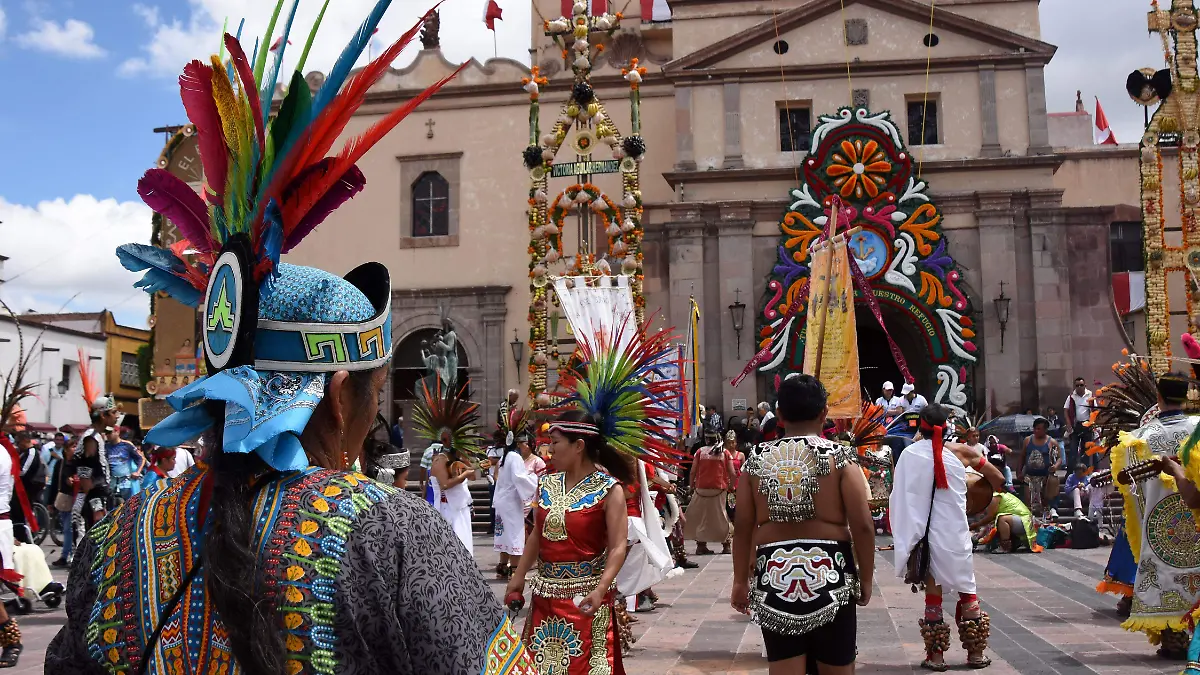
518,353
1001,304
737,312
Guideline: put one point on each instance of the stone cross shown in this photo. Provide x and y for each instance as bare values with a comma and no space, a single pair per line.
430,124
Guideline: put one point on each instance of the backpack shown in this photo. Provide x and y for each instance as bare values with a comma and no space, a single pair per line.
1085,534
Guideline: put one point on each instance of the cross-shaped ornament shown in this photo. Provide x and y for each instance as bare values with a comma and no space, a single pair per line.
429,124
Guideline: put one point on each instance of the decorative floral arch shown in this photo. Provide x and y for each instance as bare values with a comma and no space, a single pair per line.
900,250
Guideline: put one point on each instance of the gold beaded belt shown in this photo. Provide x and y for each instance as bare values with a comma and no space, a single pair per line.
568,579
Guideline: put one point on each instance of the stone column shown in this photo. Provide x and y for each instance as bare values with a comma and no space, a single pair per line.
1001,369
493,312
1051,294
685,148
732,92
685,269
1035,94
735,258
987,112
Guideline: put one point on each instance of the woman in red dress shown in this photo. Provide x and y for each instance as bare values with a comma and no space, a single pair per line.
578,545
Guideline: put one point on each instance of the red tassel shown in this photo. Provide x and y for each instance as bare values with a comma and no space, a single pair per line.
939,466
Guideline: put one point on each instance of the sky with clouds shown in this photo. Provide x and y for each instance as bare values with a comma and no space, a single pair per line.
87,81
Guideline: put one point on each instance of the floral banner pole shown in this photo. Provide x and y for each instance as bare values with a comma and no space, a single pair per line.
583,126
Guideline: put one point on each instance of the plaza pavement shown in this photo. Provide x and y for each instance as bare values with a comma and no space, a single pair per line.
1047,619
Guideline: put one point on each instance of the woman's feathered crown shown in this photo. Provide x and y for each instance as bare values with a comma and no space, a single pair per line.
442,412
620,383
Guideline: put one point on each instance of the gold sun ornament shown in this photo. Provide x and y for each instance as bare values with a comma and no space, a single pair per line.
859,168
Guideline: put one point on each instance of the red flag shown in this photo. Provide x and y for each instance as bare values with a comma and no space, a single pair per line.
655,10
1102,135
491,13
275,47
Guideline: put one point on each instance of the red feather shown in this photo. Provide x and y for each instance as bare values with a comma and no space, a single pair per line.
331,122
353,151
174,199
195,89
246,74
349,184
197,277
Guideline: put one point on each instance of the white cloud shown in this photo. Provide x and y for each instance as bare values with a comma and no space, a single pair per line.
61,248
3,24
173,41
1096,51
73,39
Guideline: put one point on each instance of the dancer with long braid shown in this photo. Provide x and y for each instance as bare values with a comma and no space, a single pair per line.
271,556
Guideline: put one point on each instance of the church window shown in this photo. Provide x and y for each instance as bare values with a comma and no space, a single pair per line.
431,205
923,121
1125,245
795,127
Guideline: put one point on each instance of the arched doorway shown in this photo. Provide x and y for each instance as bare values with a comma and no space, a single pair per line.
408,368
875,362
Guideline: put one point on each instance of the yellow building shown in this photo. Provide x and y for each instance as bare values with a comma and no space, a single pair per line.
121,347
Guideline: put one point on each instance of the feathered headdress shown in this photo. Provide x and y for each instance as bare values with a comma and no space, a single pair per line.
867,430
1121,405
271,331
514,425
618,384
267,180
442,415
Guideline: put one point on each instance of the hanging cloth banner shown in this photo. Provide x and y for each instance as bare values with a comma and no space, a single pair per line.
831,335
597,307
692,420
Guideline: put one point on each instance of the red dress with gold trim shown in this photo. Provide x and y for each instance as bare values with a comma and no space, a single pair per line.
572,550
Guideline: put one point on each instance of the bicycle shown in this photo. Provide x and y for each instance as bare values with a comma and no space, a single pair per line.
41,515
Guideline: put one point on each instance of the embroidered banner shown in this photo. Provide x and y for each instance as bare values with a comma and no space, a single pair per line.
832,329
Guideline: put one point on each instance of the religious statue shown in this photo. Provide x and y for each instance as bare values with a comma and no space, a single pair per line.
433,366
429,32
445,346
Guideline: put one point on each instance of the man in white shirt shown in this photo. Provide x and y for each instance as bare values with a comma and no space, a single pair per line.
1077,409
890,402
183,461
912,401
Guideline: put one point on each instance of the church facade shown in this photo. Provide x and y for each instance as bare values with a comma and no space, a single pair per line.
1001,310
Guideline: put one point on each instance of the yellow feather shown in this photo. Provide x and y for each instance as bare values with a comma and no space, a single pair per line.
227,107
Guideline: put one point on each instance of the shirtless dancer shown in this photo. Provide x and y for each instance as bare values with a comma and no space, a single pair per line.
802,520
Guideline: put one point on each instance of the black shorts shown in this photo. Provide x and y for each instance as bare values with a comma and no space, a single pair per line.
804,599
833,644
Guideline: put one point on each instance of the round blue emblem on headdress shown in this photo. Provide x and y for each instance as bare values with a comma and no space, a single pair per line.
223,309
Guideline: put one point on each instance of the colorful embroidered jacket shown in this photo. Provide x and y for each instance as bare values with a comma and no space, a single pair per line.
365,579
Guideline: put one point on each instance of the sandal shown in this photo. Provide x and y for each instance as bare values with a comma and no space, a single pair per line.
10,655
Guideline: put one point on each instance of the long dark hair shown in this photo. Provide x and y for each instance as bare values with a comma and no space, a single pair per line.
252,623
597,449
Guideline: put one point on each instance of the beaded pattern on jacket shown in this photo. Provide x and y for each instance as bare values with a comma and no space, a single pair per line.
788,471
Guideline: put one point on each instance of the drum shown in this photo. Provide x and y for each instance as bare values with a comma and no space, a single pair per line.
979,493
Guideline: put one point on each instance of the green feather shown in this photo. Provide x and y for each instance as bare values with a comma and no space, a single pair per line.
294,108
261,63
312,34
224,30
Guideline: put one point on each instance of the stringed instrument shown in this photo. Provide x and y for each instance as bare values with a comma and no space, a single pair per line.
1102,478
1141,470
